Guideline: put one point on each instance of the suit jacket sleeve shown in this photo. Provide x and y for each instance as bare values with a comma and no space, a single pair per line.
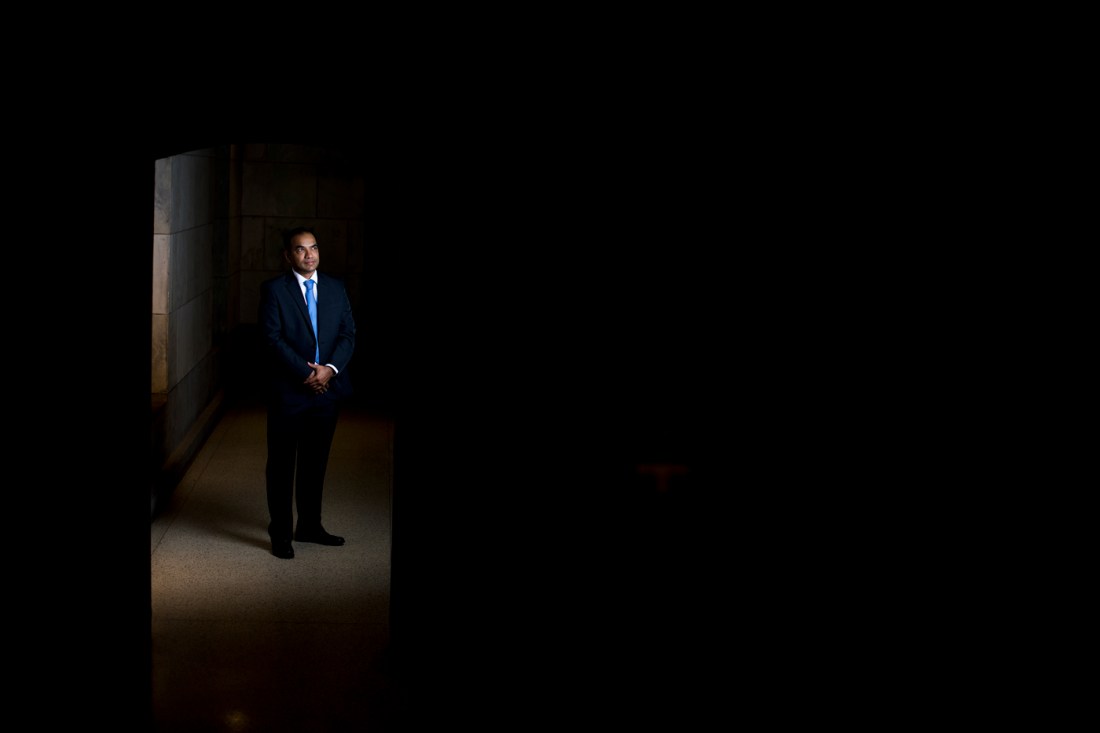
344,343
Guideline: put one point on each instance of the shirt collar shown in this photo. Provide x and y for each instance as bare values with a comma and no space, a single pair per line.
301,280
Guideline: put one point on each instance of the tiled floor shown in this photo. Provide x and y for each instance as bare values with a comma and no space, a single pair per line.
244,641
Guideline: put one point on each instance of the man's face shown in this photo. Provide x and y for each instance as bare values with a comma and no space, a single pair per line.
303,255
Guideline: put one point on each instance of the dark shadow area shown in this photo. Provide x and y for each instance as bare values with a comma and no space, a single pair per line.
569,342
85,518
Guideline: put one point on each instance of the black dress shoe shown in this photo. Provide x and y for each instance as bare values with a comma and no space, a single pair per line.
282,549
320,537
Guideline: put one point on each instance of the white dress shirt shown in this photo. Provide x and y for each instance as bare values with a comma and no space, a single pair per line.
316,287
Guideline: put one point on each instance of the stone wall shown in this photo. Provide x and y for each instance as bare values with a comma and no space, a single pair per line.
185,361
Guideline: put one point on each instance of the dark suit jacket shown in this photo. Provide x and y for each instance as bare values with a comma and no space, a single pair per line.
288,337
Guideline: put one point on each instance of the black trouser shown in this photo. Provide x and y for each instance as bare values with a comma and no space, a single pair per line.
299,441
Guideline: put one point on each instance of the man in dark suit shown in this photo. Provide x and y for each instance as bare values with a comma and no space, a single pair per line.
307,326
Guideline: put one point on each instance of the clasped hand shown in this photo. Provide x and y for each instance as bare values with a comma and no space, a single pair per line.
318,379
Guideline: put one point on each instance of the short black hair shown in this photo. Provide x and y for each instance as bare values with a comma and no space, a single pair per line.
290,234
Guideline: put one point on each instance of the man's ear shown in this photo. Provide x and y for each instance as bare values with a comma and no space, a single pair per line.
287,257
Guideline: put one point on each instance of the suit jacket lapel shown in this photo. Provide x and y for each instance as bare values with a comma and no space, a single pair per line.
295,291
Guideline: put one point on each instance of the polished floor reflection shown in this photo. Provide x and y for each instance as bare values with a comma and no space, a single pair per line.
244,641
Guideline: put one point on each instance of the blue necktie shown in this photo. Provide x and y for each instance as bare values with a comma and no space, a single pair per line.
311,301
